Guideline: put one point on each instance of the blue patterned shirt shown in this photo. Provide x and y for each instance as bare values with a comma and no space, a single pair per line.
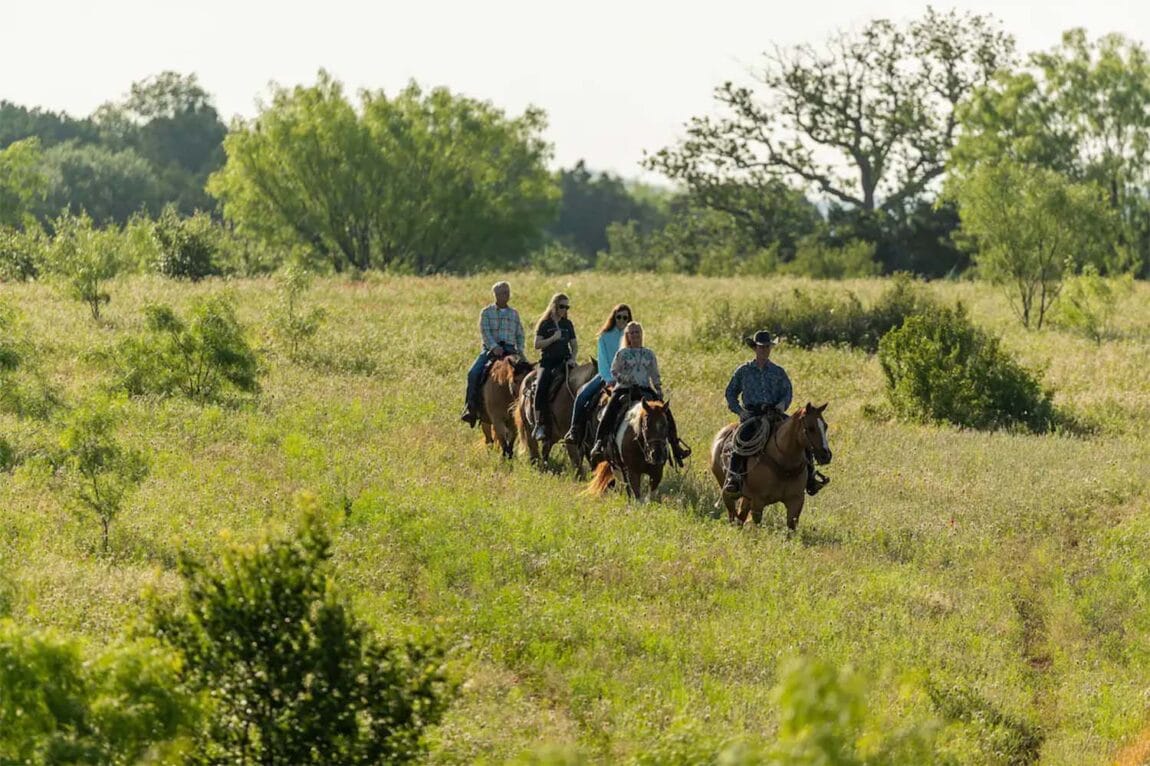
500,326
768,386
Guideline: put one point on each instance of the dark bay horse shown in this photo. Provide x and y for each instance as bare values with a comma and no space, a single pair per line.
640,449
500,391
560,420
778,473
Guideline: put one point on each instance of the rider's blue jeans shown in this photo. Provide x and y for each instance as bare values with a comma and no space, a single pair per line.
585,400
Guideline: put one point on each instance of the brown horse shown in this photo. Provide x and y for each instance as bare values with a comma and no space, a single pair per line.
560,420
778,473
500,391
640,449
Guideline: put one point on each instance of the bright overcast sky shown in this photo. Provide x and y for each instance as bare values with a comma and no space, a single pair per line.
615,78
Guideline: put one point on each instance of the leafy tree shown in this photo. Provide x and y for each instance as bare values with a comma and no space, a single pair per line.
1029,225
819,260
589,202
18,123
100,473
201,358
1083,110
186,247
22,181
109,186
22,252
24,391
292,675
170,121
84,258
420,182
868,121
61,704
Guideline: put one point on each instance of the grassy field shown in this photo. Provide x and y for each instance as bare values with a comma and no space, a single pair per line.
1009,572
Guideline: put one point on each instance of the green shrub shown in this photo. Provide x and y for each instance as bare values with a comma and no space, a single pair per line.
1090,301
23,390
98,472
84,258
21,253
58,705
819,260
557,258
939,367
292,675
1008,739
293,324
201,359
187,247
807,320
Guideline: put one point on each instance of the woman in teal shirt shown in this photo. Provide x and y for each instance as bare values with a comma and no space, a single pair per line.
610,336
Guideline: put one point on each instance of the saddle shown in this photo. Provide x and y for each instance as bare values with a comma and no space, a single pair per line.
631,395
558,381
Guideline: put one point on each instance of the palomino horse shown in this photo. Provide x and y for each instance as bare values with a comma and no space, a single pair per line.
778,473
500,391
640,448
560,419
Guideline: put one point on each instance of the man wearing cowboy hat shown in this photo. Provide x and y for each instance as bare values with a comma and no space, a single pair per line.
764,387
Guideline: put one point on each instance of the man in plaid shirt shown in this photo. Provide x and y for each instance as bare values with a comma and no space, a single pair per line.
500,332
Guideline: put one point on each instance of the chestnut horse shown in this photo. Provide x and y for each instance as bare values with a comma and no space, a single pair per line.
560,420
500,391
778,473
640,449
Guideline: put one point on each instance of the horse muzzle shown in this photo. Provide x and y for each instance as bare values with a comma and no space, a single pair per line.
822,456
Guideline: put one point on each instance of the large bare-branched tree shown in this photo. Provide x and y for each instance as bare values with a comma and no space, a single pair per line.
867,120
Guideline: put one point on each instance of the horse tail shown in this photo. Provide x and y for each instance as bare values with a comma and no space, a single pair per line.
601,480
520,421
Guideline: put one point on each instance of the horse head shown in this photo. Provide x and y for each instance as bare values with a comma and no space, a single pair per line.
813,432
652,430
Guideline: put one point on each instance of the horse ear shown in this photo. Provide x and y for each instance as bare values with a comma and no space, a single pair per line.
646,407
823,408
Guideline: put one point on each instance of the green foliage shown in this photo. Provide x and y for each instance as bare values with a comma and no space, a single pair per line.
1090,301
817,259
60,705
292,675
1029,224
187,246
295,325
106,185
419,182
83,258
589,202
98,471
940,367
557,258
23,390
21,253
809,319
1079,110
22,181
201,358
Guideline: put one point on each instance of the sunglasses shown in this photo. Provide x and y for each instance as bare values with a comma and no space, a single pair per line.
623,317
562,307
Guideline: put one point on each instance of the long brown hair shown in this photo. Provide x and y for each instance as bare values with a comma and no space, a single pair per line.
610,323
551,310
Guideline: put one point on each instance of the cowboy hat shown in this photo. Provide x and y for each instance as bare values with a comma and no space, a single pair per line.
760,338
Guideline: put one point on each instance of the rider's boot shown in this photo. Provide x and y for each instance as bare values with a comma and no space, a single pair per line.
469,417
735,473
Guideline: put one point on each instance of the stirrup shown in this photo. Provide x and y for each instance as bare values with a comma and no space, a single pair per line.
469,417
570,437
539,434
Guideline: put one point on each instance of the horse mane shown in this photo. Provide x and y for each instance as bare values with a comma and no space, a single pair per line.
638,414
503,372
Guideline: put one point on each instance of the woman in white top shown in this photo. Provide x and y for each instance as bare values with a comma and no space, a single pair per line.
635,367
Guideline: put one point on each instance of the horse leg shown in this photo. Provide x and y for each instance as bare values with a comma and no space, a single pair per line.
575,454
744,509
488,437
656,475
794,508
757,513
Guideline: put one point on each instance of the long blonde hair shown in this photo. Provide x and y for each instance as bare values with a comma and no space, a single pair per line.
551,310
626,338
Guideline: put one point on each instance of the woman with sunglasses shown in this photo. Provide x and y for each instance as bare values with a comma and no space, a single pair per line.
555,337
610,336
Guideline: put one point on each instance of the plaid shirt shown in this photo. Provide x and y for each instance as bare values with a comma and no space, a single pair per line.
768,386
500,326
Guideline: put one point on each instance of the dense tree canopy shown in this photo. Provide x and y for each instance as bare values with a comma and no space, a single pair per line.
1082,110
589,202
22,181
423,182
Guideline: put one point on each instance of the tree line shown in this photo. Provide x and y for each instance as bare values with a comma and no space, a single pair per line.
873,152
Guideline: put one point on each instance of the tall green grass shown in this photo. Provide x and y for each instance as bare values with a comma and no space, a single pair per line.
992,584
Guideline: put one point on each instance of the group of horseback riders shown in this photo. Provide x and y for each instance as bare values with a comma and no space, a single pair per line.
759,392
